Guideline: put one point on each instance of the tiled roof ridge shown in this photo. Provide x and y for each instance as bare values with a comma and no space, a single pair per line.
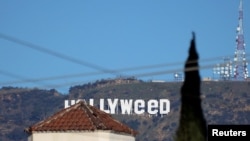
99,124
92,116
109,117
87,113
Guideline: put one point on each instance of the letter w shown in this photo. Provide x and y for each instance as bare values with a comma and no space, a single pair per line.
126,106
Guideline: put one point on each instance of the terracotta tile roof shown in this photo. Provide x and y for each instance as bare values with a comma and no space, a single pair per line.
79,117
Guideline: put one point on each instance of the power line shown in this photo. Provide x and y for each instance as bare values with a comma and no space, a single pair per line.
93,66
57,54
97,73
50,78
54,86
139,75
22,80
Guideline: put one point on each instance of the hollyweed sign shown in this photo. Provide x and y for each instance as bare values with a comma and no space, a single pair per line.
128,106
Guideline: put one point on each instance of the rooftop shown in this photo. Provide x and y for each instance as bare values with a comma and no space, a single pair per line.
80,117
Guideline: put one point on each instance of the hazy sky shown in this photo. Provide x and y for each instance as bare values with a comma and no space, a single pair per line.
61,43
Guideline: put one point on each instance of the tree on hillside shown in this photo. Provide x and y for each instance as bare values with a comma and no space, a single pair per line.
192,125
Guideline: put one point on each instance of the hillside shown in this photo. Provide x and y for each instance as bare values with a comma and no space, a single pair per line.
224,102
21,107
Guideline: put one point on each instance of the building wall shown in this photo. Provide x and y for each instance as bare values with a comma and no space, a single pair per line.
80,136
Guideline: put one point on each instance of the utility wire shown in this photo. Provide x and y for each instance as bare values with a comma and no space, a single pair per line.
21,78
50,78
55,86
90,65
139,75
57,54
97,73
168,71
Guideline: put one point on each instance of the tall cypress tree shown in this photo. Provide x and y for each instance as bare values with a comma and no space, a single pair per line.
192,124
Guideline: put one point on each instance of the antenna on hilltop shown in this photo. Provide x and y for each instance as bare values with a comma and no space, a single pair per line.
240,62
236,69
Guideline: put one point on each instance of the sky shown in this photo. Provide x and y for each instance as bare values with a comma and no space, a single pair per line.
59,44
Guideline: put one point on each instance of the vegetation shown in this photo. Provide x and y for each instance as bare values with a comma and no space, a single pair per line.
224,102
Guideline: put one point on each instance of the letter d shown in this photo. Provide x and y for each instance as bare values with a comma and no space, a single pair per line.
164,106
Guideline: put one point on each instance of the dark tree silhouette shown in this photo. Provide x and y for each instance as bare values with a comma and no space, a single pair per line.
192,125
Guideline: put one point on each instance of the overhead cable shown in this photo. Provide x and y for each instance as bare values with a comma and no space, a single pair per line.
57,54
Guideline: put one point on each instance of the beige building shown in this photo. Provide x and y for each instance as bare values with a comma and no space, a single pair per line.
80,122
